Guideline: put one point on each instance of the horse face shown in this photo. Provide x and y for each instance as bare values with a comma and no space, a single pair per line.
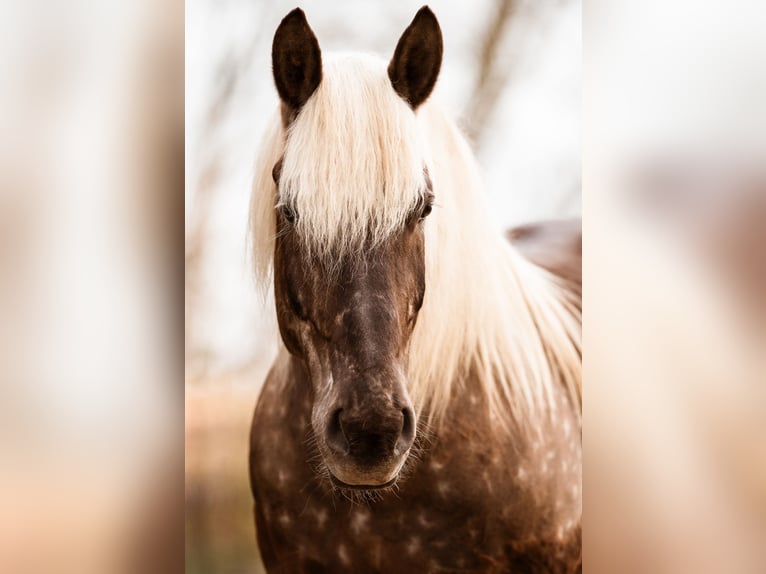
350,320
351,326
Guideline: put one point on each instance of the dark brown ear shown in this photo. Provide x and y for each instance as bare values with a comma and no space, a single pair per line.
296,60
417,59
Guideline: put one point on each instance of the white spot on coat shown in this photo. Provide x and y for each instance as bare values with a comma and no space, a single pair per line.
413,545
359,521
343,555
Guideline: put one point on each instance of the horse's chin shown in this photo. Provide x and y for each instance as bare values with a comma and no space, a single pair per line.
362,486
351,478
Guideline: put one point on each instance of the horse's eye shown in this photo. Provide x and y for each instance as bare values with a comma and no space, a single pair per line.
426,210
288,213
276,172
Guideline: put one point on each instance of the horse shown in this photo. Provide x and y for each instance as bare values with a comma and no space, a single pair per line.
423,413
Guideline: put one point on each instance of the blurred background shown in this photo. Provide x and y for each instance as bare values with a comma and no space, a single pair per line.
92,140
91,236
674,298
511,74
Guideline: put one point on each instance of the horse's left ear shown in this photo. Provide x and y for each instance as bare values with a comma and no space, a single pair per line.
417,59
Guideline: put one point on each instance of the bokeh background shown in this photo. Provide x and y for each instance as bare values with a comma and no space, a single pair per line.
674,297
91,257
91,314
511,74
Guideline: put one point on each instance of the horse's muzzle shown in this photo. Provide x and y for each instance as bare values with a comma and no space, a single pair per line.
366,449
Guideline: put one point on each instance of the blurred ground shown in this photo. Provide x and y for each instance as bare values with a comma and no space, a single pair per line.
220,535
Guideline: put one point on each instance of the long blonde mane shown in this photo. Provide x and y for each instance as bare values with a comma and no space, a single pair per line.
353,169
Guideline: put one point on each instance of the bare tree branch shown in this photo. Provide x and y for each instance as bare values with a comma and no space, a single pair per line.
493,70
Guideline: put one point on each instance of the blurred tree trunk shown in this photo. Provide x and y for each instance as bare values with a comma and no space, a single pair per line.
494,70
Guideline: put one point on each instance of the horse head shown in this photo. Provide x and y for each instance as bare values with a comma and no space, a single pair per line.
349,254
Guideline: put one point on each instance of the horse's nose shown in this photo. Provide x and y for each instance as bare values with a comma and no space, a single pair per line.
373,436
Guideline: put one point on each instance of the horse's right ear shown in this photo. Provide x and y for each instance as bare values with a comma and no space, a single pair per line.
296,61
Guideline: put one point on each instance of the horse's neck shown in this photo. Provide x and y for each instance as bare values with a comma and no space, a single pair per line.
552,434
538,471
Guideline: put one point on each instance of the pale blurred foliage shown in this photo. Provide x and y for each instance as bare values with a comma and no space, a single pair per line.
674,268
90,238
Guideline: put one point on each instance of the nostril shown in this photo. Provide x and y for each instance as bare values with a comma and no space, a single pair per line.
408,424
336,438
407,435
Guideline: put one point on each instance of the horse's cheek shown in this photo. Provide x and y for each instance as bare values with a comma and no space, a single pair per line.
290,337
